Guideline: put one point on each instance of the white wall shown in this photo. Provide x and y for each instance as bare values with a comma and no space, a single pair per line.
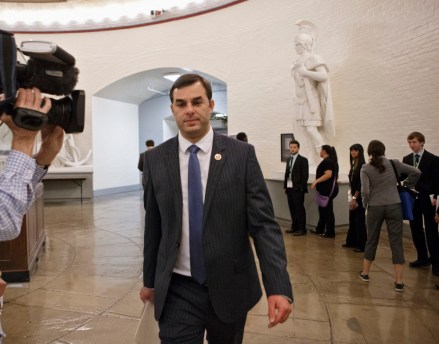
151,116
382,57
115,144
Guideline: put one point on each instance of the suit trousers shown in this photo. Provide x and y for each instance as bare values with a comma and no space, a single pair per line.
423,213
188,313
296,199
376,215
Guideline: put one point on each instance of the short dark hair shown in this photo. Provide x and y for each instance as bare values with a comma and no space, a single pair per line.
241,136
190,79
416,135
295,142
149,143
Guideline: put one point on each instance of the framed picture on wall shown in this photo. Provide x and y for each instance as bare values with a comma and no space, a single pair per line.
285,146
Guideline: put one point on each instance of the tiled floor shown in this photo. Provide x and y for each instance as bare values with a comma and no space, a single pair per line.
85,289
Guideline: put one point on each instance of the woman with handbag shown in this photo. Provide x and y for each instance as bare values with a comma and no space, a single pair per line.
326,186
382,201
357,235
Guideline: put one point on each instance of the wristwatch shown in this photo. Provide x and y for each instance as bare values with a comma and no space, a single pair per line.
44,167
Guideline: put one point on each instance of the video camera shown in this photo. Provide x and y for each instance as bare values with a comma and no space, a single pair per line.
50,69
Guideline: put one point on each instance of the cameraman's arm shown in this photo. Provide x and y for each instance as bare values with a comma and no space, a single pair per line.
52,138
16,181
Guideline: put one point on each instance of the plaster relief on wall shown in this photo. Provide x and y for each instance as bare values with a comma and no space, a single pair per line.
70,156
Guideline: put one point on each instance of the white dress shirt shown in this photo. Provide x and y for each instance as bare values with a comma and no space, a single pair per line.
183,264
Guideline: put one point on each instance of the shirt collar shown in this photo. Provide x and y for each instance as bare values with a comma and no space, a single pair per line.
419,153
205,144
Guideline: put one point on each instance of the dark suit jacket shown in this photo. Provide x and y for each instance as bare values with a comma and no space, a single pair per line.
237,204
141,161
300,173
428,183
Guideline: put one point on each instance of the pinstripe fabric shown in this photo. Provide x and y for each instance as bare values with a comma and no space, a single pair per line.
236,204
188,312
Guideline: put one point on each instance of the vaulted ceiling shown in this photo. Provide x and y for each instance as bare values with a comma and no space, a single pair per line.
89,15
135,88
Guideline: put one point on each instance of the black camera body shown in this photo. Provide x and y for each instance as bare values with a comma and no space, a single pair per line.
50,69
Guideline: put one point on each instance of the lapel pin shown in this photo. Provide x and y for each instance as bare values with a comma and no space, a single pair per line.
217,157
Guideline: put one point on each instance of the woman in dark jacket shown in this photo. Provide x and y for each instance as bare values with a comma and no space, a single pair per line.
326,185
357,234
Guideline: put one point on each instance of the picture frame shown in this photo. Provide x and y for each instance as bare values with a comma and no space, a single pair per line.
285,146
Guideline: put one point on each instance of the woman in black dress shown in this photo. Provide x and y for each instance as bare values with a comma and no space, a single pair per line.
357,234
326,185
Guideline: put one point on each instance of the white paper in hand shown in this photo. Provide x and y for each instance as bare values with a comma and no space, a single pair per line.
148,330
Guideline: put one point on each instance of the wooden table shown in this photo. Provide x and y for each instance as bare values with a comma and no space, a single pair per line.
18,257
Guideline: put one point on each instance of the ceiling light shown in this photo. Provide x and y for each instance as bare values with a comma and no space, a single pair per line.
172,76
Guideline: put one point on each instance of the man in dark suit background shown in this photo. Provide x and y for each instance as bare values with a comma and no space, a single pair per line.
295,186
216,295
425,204
149,145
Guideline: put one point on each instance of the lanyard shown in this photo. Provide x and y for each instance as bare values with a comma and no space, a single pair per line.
416,160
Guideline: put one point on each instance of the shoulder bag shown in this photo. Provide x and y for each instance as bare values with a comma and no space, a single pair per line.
407,196
322,201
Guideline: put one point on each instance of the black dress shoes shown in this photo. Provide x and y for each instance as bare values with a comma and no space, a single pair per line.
358,250
327,235
289,231
299,233
347,246
418,264
313,231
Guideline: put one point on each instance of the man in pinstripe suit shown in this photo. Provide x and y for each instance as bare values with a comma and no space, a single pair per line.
237,206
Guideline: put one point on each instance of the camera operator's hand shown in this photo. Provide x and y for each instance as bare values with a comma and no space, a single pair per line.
23,139
52,139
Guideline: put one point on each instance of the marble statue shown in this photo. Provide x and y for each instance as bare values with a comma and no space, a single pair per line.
313,102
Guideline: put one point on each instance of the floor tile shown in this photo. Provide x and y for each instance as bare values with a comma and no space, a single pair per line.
86,286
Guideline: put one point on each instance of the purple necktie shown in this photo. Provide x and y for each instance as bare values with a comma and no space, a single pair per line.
195,194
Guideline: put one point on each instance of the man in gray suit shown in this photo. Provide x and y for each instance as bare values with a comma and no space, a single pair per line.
213,288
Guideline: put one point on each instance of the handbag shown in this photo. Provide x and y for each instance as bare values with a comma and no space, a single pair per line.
148,329
407,197
321,200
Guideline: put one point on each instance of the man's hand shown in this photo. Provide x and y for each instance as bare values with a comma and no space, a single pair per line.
52,138
22,139
2,286
147,294
278,310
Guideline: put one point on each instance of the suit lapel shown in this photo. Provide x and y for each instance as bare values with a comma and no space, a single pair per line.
423,161
217,161
296,163
173,171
